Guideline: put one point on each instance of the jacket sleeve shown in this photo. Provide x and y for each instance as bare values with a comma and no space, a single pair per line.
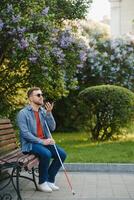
50,120
24,131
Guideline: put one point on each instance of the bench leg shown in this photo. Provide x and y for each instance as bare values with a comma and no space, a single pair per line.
34,179
17,183
16,186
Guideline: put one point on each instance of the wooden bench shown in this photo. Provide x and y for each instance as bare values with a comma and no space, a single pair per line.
12,160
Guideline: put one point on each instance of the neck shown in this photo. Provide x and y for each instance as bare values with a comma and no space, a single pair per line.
35,106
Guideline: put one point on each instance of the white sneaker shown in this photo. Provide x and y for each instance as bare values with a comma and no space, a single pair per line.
44,187
53,186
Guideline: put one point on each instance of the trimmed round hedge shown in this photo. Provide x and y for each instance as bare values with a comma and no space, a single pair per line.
108,108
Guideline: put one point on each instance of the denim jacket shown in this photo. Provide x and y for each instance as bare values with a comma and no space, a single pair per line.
27,126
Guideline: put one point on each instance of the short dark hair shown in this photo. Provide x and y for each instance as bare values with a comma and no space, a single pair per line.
30,91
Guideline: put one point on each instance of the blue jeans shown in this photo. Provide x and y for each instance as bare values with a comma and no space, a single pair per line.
47,170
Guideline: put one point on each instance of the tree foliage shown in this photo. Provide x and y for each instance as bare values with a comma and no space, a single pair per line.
71,9
108,108
36,49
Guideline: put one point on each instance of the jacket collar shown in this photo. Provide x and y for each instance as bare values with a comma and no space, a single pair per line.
29,107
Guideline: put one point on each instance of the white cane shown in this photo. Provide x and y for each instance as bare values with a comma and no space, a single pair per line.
69,183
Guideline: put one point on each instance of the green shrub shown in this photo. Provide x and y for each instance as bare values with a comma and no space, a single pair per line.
108,108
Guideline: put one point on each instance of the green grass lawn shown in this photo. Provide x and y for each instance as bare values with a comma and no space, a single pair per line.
80,149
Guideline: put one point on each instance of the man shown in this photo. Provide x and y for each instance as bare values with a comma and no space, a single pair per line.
35,138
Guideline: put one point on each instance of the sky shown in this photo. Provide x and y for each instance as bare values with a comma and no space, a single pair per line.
99,8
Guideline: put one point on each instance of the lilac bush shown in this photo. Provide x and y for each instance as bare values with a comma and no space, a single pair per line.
110,62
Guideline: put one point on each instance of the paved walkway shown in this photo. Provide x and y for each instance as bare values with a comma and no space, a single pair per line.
87,185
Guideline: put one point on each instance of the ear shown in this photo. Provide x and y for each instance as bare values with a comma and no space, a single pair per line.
30,99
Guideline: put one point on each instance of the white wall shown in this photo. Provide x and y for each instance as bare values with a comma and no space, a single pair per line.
122,14
127,15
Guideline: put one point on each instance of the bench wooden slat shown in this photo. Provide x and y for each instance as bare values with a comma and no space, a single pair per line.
7,149
17,157
16,152
6,131
32,163
30,157
7,137
5,121
28,161
11,146
5,126
7,142
11,160
10,157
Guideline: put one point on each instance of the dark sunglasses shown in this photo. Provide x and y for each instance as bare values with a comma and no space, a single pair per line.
39,95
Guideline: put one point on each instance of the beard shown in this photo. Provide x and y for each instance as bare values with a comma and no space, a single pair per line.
39,103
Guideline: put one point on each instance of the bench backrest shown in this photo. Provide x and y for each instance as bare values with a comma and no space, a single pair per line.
8,140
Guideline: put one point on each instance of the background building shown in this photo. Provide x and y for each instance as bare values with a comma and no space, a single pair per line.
122,17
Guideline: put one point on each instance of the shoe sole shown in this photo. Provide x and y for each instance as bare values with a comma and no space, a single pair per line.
41,190
55,189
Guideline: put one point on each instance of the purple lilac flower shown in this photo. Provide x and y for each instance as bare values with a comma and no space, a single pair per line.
21,30
55,30
16,19
1,24
45,11
9,8
81,44
113,44
105,54
112,57
12,32
39,46
66,40
83,56
23,44
80,66
130,49
33,59
119,56
53,39
58,53
34,56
